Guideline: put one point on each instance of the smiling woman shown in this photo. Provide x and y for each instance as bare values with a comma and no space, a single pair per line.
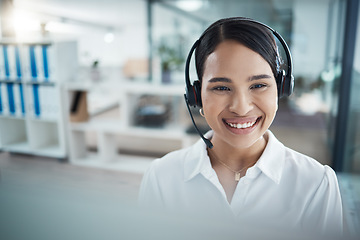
249,95
241,172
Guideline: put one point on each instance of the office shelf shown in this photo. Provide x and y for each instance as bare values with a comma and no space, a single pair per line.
32,112
122,131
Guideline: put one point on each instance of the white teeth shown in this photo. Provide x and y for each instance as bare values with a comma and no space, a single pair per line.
239,125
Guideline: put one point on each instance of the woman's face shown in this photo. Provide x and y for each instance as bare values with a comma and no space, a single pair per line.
239,95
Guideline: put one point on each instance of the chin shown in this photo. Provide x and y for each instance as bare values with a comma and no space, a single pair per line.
244,144
242,141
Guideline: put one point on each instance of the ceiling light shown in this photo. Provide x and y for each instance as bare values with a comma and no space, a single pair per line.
189,6
24,22
109,37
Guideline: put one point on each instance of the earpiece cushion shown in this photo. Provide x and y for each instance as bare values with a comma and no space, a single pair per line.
197,90
280,81
190,96
290,85
285,84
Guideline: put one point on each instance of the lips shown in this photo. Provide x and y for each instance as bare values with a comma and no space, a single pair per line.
242,124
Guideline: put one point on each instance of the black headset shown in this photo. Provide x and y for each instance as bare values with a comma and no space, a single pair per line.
284,81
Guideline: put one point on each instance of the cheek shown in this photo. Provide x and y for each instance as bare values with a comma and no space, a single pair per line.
213,102
211,105
206,99
271,107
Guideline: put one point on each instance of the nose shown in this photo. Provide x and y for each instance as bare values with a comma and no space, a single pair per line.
240,103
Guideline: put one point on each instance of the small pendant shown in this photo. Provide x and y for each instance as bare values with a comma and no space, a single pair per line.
237,176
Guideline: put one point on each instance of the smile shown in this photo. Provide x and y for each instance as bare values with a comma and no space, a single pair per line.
242,125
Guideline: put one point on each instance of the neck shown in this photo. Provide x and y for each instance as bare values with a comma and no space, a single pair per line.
237,157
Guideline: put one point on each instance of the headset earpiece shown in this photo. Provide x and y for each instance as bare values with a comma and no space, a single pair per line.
285,84
197,90
291,85
280,81
193,94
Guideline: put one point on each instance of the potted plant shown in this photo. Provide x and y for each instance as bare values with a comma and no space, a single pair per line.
170,60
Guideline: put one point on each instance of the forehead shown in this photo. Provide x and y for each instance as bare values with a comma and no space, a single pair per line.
231,57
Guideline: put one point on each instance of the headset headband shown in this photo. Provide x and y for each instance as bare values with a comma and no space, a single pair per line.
187,64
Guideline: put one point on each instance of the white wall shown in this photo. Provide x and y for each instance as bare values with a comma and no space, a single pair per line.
309,37
87,22
131,42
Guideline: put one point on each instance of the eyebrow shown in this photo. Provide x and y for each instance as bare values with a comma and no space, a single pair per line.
220,79
257,77
227,80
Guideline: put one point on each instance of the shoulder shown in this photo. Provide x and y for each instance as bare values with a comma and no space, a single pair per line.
282,163
171,165
302,161
309,169
181,160
294,166
163,175
316,186
173,159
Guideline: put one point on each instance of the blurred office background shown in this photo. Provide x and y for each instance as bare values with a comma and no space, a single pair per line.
120,103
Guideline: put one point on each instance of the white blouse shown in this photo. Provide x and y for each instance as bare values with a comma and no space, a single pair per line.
284,189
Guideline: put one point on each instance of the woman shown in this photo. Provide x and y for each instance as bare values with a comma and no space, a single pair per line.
245,173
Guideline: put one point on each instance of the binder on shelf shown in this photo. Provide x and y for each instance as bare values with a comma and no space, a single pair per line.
51,62
42,108
4,99
29,100
48,101
33,63
2,63
11,98
17,103
22,99
6,61
18,62
9,62
1,104
45,58
39,58
35,100
53,106
26,63
44,102
19,100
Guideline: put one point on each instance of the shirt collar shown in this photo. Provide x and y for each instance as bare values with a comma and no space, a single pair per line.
271,162
197,160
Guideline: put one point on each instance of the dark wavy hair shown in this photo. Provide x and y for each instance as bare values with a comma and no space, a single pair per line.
243,30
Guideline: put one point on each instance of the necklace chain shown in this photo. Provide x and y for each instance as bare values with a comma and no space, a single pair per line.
237,173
